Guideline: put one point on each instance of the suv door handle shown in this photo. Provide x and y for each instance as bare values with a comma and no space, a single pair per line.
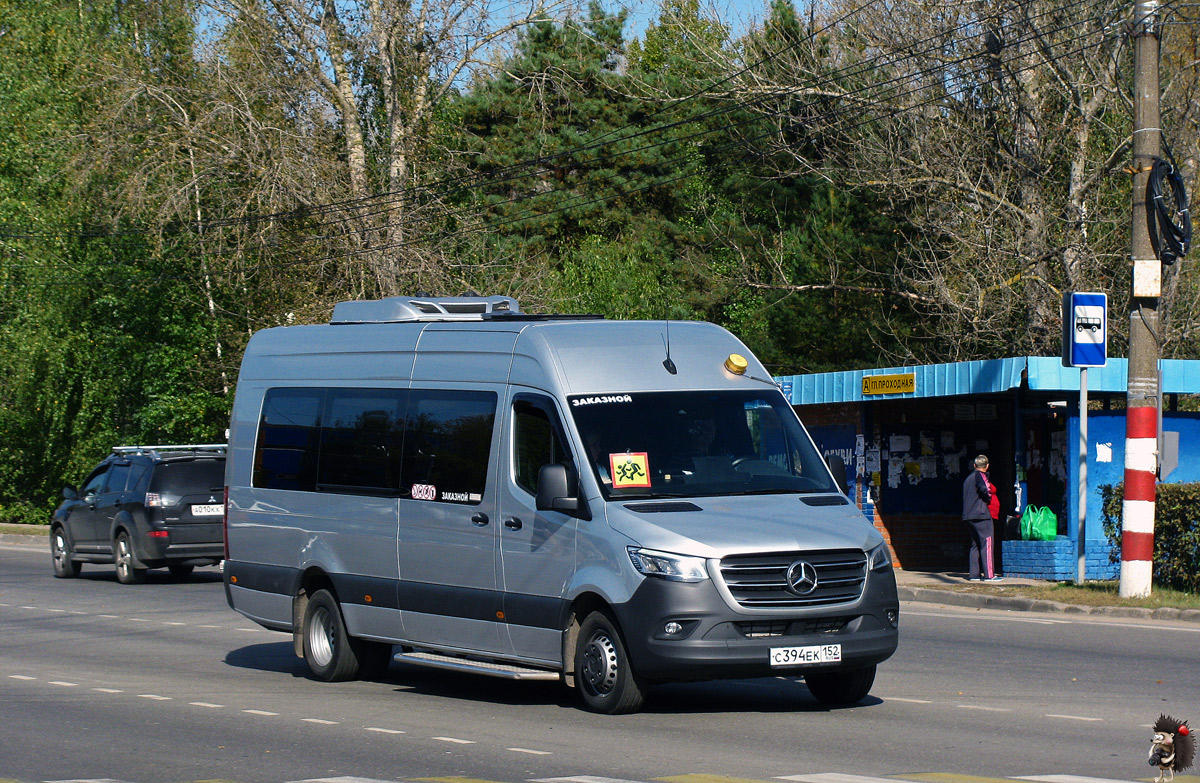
480,519
512,523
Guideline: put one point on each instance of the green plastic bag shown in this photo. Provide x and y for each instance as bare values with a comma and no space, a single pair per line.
1038,523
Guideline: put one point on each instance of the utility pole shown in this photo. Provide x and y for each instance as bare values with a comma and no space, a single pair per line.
1141,411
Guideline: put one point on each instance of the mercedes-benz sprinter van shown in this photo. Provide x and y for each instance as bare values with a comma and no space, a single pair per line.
605,503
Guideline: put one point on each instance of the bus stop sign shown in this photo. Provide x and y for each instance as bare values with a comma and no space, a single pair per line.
1085,329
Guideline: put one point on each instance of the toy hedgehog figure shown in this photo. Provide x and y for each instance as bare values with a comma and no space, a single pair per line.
1172,748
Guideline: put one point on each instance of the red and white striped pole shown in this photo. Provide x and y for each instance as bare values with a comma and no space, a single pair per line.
1141,408
1137,509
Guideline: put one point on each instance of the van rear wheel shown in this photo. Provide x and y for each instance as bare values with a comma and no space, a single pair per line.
841,687
328,650
603,674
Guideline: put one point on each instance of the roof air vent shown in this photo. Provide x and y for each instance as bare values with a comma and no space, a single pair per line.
398,309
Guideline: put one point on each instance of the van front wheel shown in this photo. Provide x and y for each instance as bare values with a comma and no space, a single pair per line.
840,688
603,674
327,647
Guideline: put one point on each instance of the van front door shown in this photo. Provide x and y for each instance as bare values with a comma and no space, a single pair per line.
448,592
537,548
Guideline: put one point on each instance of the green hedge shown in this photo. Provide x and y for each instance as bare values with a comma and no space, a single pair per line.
1176,532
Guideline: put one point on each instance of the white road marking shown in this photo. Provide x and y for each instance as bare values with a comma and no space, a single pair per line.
208,626
1073,717
1069,779
910,701
153,696
107,690
530,751
206,704
21,677
109,616
87,780
1034,620
834,777
260,712
455,740
64,684
174,623
382,731
320,721
980,707
138,620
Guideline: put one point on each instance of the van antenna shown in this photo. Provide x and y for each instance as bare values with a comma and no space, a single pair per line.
670,365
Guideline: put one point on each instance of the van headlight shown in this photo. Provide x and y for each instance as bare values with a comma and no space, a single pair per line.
677,568
879,558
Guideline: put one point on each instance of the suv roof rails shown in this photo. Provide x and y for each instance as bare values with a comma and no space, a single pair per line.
396,309
154,451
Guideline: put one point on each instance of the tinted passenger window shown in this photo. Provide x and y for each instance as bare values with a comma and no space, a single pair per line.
288,439
117,476
536,442
447,445
94,484
361,441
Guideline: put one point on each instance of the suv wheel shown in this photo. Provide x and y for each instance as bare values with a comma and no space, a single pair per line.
60,551
127,572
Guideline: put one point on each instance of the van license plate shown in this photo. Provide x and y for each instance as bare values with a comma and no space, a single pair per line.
803,656
208,510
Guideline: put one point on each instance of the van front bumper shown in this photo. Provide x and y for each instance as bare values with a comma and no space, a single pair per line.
718,642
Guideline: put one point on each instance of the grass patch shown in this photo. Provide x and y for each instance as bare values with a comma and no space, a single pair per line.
36,530
1087,594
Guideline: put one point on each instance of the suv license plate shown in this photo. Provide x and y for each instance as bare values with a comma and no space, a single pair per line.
209,510
802,656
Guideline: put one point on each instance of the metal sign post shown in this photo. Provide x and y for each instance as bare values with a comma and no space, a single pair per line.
1085,344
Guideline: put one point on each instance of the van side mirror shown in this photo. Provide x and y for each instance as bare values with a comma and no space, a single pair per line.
837,466
70,493
556,494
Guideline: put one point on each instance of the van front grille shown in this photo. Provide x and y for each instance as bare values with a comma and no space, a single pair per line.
759,629
760,581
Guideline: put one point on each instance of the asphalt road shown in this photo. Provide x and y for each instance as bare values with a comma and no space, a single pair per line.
163,682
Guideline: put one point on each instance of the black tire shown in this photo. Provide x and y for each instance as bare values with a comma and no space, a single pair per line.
841,687
180,570
603,674
127,572
60,554
331,655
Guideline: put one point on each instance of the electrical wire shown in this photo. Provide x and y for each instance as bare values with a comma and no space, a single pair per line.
1170,223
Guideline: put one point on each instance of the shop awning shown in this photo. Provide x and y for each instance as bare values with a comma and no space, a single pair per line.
1045,373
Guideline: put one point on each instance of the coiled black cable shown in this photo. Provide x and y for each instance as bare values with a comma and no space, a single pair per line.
1170,223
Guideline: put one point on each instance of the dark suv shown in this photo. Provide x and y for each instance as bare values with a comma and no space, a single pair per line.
144,507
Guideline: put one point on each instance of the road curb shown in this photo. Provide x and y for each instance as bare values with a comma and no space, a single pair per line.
926,595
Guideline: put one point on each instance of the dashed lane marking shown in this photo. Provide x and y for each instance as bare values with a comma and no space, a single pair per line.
699,778
530,751
206,704
1073,717
981,707
260,712
456,741
380,730
908,701
321,721
1068,779
64,684
153,697
108,690
21,677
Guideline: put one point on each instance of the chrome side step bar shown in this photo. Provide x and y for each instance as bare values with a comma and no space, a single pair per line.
505,671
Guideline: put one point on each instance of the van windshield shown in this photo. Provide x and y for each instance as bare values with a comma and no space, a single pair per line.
689,444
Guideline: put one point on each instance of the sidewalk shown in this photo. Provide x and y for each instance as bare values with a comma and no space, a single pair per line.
933,587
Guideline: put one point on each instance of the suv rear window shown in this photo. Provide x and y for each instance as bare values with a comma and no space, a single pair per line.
178,478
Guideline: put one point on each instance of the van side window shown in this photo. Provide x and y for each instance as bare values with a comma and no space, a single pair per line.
361,439
447,444
537,441
289,434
